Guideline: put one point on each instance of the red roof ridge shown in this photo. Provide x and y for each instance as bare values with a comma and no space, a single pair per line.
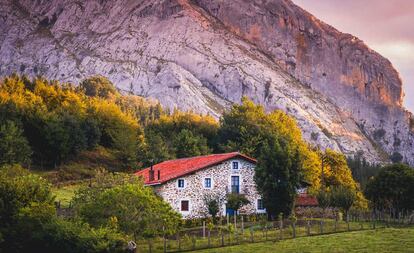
173,169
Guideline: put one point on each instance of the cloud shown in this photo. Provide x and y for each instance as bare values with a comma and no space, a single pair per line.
386,26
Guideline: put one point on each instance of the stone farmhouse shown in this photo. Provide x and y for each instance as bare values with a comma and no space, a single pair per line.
186,183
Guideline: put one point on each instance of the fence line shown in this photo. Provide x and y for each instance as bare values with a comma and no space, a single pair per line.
241,232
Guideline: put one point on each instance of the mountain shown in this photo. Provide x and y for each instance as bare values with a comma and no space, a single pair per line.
204,55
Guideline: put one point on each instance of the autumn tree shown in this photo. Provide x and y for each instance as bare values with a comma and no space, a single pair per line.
98,86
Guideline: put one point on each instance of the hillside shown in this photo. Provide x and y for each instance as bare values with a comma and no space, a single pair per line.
205,55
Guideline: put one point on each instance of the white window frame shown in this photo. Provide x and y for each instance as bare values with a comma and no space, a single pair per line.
189,207
257,206
178,184
211,183
240,182
238,165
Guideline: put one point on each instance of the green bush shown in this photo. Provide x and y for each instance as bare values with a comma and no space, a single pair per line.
123,201
39,230
29,222
19,189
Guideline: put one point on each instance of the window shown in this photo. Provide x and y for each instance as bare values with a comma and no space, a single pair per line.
260,204
181,183
207,182
235,165
185,205
235,184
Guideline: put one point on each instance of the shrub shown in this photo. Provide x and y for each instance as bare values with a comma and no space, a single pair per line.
38,229
136,208
396,157
19,189
379,134
213,205
236,201
29,222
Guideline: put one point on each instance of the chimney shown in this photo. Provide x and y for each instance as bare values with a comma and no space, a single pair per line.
159,175
151,174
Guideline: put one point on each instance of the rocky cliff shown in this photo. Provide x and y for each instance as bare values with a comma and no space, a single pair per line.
206,54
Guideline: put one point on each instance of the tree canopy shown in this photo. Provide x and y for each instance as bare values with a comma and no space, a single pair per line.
393,187
123,201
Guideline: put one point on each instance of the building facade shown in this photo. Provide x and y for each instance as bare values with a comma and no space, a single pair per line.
187,184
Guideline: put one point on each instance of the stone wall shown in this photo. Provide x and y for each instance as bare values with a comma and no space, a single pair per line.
195,192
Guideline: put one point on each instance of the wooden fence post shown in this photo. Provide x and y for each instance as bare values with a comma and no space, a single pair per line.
165,240
242,224
204,229
209,239
321,226
179,241
347,222
251,234
294,229
281,229
222,238
336,225
308,227
235,221
194,241
149,245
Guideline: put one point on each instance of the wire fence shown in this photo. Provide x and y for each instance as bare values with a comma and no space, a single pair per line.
240,232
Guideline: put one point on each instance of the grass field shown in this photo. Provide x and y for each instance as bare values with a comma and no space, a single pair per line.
65,194
375,241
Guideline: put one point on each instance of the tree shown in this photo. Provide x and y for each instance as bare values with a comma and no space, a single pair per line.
124,200
343,198
187,144
98,86
362,170
236,201
14,148
324,199
213,203
155,150
393,187
336,171
278,176
246,126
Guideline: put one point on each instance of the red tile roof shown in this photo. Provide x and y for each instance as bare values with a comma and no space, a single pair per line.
306,200
173,169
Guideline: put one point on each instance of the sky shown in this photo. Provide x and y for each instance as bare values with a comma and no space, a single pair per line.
387,26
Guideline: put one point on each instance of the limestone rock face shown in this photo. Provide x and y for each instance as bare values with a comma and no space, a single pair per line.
205,55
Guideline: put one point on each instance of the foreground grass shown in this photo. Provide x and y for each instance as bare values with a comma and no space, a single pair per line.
377,241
